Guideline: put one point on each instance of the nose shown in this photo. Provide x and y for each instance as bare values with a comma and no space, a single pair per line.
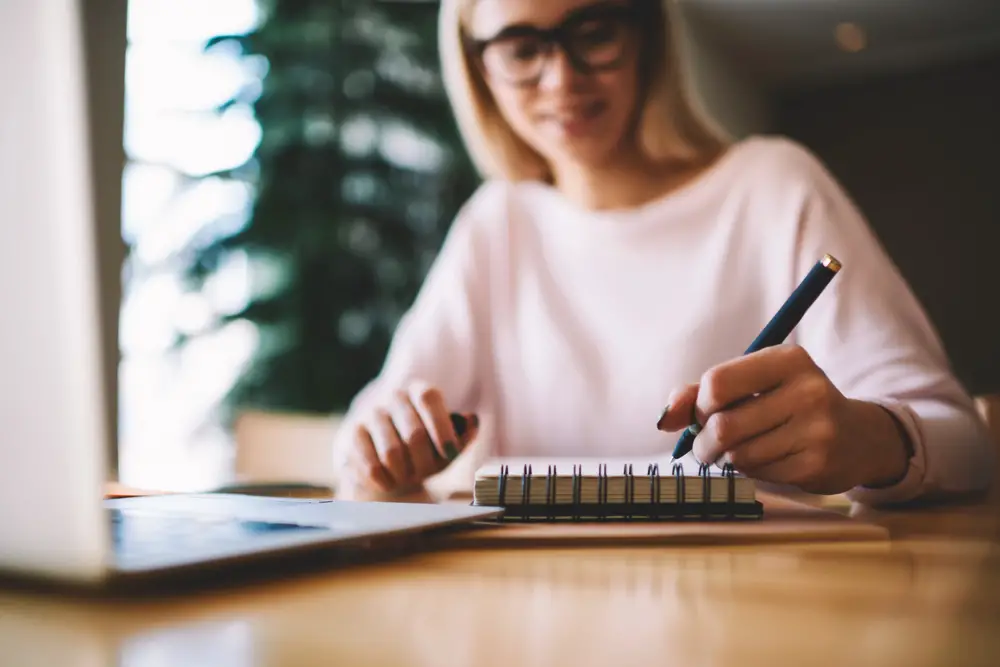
558,71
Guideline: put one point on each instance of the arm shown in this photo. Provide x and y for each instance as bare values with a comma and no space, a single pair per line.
874,341
441,337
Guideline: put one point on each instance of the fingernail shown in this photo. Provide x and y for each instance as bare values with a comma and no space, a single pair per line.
459,423
450,450
663,415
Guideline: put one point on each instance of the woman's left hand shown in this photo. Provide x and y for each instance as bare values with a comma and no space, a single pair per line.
776,417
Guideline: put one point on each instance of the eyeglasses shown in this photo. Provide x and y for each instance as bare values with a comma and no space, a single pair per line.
594,38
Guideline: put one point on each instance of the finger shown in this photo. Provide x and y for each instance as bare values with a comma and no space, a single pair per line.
679,412
788,469
390,448
756,454
733,427
364,460
429,404
806,441
415,437
744,377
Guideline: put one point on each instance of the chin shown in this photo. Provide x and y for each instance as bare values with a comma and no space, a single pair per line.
583,154
591,148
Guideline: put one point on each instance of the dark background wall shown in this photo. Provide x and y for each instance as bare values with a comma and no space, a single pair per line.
920,154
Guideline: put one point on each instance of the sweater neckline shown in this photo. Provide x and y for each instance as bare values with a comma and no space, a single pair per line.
649,212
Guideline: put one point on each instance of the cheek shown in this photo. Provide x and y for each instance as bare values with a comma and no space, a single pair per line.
620,91
516,107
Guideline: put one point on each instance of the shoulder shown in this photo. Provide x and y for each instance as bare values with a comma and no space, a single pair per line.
775,163
477,215
483,228
485,197
497,205
483,207
797,195
481,223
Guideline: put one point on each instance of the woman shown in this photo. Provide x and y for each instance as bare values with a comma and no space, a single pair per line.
620,256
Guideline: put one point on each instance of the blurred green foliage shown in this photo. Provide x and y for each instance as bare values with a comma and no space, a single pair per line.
359,173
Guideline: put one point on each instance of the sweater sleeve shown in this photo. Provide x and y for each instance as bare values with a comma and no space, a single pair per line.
440,338
873,339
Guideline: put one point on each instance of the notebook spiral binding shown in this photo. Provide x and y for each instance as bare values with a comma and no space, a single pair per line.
630,509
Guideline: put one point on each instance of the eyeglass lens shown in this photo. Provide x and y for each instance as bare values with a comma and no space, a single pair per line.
591,44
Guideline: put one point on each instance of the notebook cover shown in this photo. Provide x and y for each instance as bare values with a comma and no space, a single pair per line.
636,512
784,520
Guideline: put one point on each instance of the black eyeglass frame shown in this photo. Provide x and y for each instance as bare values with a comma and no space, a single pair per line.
561,35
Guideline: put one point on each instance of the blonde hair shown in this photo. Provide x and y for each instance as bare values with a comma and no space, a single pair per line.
673,125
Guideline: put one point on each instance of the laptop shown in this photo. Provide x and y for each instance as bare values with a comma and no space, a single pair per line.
55,524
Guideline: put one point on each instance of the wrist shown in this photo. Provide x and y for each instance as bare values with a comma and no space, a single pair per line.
886,446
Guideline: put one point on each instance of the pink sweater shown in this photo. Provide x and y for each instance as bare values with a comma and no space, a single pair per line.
566,329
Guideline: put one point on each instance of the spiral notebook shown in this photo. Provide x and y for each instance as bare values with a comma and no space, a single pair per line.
619,490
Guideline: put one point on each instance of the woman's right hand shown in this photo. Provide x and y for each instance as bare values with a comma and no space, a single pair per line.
397,445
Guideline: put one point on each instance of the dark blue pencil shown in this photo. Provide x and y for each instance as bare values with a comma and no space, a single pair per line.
777,330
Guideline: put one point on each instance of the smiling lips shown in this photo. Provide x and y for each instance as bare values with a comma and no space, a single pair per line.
574,121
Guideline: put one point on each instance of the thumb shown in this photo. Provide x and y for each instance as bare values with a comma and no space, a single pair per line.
680,410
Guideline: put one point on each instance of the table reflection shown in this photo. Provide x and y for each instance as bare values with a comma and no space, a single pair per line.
222,643
917,601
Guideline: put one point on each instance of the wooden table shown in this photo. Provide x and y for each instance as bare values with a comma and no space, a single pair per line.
930,596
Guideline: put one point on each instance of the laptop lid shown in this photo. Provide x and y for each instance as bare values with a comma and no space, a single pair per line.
53,438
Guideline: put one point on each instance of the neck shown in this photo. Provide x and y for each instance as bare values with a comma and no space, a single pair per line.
623,183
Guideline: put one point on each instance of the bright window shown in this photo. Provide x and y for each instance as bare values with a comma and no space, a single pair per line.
174,138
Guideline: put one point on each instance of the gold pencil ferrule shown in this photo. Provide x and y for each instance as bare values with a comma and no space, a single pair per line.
831,262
